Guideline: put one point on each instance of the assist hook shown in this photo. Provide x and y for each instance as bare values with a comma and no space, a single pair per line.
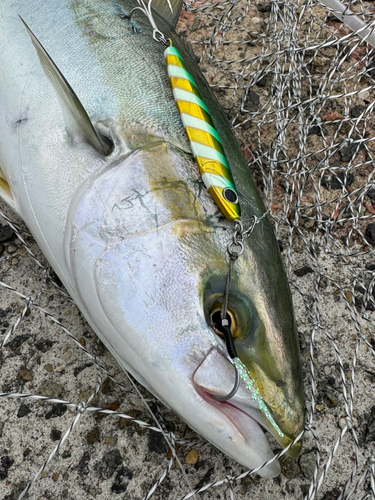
224,328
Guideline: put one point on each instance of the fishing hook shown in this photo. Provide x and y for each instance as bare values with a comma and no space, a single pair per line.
233,391
146,10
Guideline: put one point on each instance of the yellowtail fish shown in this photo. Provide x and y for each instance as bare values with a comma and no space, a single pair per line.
96,160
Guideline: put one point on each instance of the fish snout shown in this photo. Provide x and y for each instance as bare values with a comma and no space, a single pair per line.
215,377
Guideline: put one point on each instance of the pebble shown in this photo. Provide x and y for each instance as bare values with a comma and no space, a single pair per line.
115,405
44,474
348,296
356,111
6,233
320,62
122,479
331,117
307,464
157,443
107,386
23,411
255,20
55,476
25,375
192,457
111,440
95,491
16,343
364,94
12,249
315,130
370,427
82,467
339,180
55,434
370,233
302,271
93,436
309,223
44,345
332,494
196,24
48,368
26,452
57,411
330,401
14,262
327,369
252,101
5,464
289,467
342,423
50,389
112,460
266,7
67,356
82,341
122,422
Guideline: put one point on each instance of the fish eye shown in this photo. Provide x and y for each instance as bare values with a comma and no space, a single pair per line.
230,195
215,320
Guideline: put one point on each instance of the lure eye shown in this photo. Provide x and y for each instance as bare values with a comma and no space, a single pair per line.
215,321
230,195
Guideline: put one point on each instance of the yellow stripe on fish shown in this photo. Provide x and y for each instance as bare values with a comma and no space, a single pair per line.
204,139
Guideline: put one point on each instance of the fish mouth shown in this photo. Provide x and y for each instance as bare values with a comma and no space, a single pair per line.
215,377
238,418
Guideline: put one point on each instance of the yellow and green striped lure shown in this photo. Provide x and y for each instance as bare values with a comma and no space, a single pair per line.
204,139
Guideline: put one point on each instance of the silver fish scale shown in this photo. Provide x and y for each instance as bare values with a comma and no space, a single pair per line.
140,81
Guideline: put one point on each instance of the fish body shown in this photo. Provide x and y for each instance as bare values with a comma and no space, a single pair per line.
133,234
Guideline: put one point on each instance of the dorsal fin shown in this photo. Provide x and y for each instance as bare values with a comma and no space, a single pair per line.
168,10
69,100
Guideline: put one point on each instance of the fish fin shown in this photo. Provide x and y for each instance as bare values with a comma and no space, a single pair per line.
168,10
6,193
69,100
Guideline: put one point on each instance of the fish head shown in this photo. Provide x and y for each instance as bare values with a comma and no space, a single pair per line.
262,325
149,268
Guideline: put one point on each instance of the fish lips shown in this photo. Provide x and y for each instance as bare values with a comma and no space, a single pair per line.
215,376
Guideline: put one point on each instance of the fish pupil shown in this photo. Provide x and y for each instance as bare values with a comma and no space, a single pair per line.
230,195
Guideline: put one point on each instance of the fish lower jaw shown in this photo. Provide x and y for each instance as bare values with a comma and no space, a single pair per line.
260,456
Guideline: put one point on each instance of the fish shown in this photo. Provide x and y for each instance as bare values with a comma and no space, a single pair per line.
95,158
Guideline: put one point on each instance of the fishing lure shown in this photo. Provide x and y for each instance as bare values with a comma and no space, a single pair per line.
204,139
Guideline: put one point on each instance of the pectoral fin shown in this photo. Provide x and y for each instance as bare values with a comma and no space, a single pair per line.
69,100
6,193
